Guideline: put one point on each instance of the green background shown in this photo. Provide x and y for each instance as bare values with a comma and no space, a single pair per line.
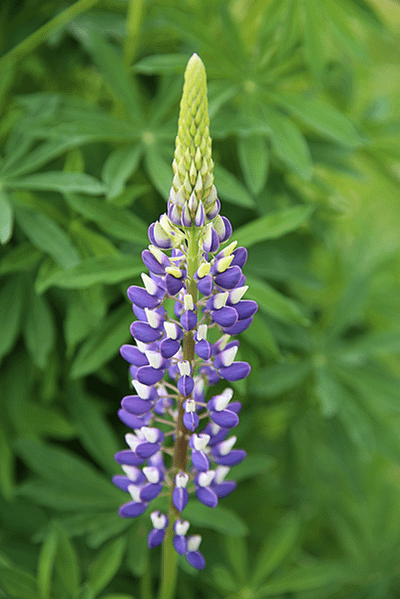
304,107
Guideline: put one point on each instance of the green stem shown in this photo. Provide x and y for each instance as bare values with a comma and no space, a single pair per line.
169,563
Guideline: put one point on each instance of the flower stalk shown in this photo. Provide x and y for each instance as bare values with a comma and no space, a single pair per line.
173,363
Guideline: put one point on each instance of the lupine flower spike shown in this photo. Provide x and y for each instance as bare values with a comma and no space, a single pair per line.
173,362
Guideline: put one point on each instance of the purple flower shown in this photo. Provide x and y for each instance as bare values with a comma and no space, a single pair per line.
171,362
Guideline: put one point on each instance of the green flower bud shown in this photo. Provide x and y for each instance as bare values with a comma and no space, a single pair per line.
193,165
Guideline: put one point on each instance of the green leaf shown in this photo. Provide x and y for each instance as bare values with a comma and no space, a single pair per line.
253,465
165,64
103,344
6,218
345,36
92,426
260,337
68,473
11,305
111,65
313,38
121,224
159,170
254,160
67,561
17,583
46,235
40,156
289,143
59,181
46,561
280,378
272,225
91,271
322,117
22,257
274,303
328,391
39,330
231,189
303,579
236,551
223,579
6,466
47,421
220,519
106,564
119,167
138,550
280,542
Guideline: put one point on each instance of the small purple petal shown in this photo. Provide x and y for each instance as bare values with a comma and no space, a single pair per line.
239,327
134,405
196,560
235,406
128,458
142,331
169,347
185,385
234,372
149,375
180,498
122,482
191,421
155,537
203,349
188,320
141,298
240,257
200,461
150,491
228,230
231,459
173,284
213,209
180,544
153,264
246,308
214,241
132,509
186,220
229,278
225,317
146,449
133,355
131,420
225,418
205,285
207,496
223,489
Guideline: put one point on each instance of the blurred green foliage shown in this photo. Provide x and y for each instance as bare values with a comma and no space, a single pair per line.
304,104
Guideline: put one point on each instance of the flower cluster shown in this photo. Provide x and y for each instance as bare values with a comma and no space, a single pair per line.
174,360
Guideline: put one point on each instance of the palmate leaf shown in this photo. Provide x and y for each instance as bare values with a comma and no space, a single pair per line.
22,257
64,472
39,329
162,64
325,119
47,236
103,344
314,49
11,306
98,269
254,160
92,426
274,303
230,188
59,181
272,225
106,564
304,579
220,519
278,545
6,217
18,583
280,378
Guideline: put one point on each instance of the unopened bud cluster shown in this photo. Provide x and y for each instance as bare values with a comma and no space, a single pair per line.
173,361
